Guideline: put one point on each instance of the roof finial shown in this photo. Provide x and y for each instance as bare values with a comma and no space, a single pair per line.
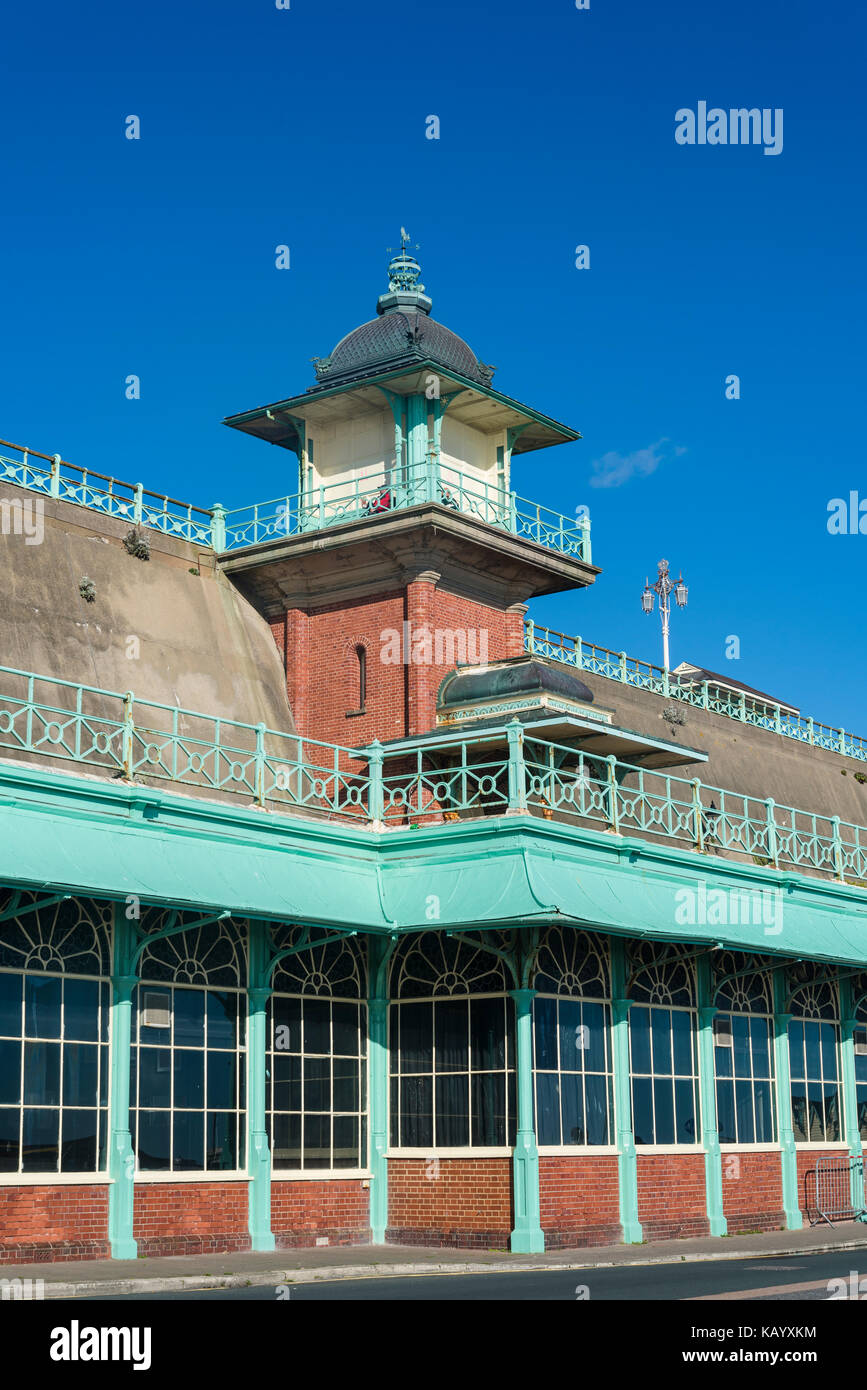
405,290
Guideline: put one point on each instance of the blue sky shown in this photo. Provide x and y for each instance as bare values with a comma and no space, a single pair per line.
306,126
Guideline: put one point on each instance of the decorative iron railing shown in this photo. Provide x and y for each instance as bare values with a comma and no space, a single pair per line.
141,739
385,490
43,719
587,656
454,781
97,491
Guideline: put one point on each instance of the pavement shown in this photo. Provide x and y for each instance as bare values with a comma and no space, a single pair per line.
177,1273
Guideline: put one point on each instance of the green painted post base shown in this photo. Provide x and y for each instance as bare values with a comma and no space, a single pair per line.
627,1178
527,1238
259,1208
121,1195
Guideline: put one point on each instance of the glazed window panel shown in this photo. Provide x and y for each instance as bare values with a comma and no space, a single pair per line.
744,1079
665,1107
573,1071
814,1062
53,1073
188,1078
316,1083
452,1073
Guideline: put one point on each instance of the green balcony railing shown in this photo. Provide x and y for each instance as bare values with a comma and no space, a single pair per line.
762,714
44,720
384,490
295,514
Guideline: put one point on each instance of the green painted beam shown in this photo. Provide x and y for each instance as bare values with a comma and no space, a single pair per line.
527,1236
121,1159
707,1090
377,1013
783,1077
627,1165
258,1152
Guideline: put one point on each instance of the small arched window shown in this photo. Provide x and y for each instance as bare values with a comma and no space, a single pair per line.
361,678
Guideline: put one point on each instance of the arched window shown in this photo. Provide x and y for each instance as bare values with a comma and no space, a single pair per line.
572,1039
359,656
316,1068
54,1017
743,1049
814,1035
452,1048
664,1062
188,1068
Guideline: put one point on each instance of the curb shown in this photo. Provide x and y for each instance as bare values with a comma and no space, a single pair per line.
257,1278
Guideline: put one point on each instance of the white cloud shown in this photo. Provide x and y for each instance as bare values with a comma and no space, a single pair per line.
613,469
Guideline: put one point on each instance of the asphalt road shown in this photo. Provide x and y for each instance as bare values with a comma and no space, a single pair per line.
787,1278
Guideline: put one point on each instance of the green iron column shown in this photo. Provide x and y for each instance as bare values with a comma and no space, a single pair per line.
377,1015
528,1237
418,463
121,1169
707,1095
627,1165
783,1077
848,1024
258,1152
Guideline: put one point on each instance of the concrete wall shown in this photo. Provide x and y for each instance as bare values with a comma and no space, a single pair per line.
202,645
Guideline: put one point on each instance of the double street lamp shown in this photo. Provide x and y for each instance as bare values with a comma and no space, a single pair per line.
664,587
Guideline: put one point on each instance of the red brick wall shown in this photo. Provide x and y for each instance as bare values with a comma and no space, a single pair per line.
303,1211
53,1223
465,1202
752,1191
318,651
430,607
191,1218
671,1196
579,1200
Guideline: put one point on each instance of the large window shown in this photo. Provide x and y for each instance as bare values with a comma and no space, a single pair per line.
451,1046
665,1104
814,1035
54,1014
317,1076
572,1040
188,1065
743,1051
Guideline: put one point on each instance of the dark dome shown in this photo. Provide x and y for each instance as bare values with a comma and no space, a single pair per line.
397,339
521,676
402,335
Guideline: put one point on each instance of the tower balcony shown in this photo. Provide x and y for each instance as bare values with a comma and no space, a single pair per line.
386,490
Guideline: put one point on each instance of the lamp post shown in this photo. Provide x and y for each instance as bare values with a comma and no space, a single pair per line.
664,587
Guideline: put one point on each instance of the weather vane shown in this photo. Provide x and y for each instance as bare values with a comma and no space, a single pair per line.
405,239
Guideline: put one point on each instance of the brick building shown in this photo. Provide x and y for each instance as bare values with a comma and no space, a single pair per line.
340,903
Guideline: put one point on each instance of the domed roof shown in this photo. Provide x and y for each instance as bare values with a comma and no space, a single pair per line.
516,676
402,335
